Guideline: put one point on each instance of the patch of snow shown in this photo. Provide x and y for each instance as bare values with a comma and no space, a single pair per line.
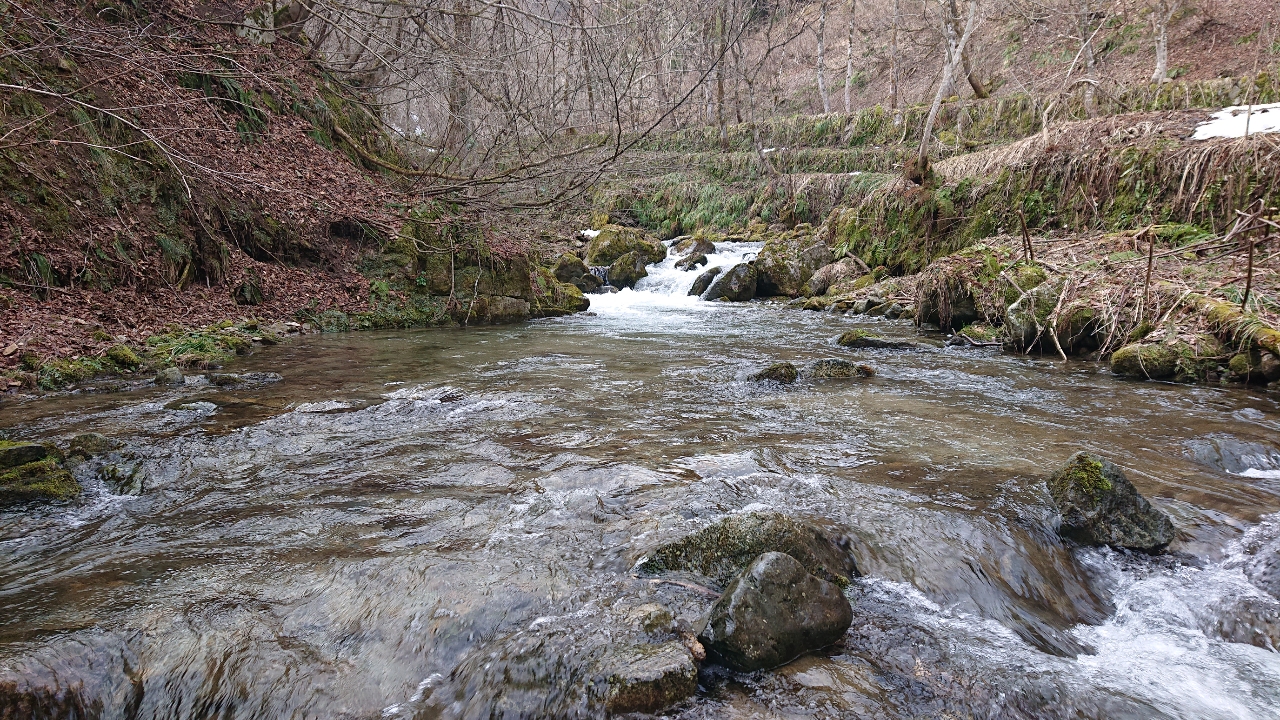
1231,122
589,234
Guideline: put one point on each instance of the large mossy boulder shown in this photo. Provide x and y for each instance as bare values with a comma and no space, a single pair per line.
833,274
703,282
695,245
1099,506
788,260
570,269
553,297
719,551
31,472
736,285
772,613
614,241
647,678
13,454
1156,361
1030,318
627,270
972,285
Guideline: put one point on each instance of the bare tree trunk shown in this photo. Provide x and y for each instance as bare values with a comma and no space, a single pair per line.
723,32
822,57
848,61
458,129
894,62
1090,61
978,90
1161,15
956,47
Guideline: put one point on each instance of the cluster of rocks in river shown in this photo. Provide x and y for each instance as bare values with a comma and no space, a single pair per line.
782,581
33,473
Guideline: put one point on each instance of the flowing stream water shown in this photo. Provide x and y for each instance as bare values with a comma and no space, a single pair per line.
444,523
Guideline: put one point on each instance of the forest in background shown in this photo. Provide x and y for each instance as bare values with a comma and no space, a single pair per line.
171,165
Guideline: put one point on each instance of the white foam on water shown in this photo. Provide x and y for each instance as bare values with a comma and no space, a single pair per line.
1235,121
1260,474
667,288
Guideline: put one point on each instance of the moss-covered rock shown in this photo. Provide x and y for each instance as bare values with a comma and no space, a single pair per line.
647,678
88,445
553,298
13,454
1156,361
570,269
124,356
717,552
983,333
835,368
789,260
614,241
44,480
833,274
695,245
628,270
1099,506
691,261
860,339
784,373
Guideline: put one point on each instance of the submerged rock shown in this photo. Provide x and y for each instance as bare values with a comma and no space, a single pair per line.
736,285
1146,360
1263,568
783,372
33,472
772,613
628,270
88,445
614,241
834,368
717,552
647,678
170,376
1099,506
704,281
1249,620
864,339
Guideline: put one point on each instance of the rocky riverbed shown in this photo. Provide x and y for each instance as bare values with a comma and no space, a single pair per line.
565,518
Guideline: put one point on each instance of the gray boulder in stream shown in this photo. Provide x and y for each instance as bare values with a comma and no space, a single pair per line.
1100,506
736,285
717,552
772,613
704,281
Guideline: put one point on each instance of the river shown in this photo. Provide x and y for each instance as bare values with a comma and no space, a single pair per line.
444,523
